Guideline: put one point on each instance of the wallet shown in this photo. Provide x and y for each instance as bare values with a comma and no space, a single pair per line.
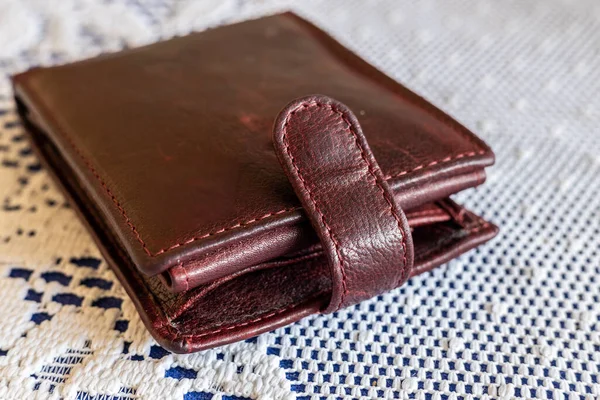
239,179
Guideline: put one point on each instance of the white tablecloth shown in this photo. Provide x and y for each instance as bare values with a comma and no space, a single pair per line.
516,318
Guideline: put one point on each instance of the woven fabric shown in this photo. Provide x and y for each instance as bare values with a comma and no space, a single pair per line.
516,318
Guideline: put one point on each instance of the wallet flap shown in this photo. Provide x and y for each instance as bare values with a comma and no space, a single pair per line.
180,163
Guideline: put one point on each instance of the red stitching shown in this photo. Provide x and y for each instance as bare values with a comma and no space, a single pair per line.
387,177
112,196
431,164
310,195
238,225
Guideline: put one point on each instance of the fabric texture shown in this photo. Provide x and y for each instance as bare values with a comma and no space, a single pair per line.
517,318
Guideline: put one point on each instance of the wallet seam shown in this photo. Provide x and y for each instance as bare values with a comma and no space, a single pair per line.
92,169
432,163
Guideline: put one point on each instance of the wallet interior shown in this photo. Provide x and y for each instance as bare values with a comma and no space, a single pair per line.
260,297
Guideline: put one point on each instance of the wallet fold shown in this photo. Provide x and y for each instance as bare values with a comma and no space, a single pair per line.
220,231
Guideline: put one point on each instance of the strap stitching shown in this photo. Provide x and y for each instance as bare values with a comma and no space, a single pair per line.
370,167
312,198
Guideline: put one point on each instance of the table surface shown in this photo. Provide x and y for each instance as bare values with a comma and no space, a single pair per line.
516,318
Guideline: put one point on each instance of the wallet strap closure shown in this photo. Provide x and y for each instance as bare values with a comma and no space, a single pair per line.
364,233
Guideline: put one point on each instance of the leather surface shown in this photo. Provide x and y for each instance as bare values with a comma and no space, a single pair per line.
364,233
183,179
181,163
267,296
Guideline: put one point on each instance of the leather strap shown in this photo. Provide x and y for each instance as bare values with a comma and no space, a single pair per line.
364,233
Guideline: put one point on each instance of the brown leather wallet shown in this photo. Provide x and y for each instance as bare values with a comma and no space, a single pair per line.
225,217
